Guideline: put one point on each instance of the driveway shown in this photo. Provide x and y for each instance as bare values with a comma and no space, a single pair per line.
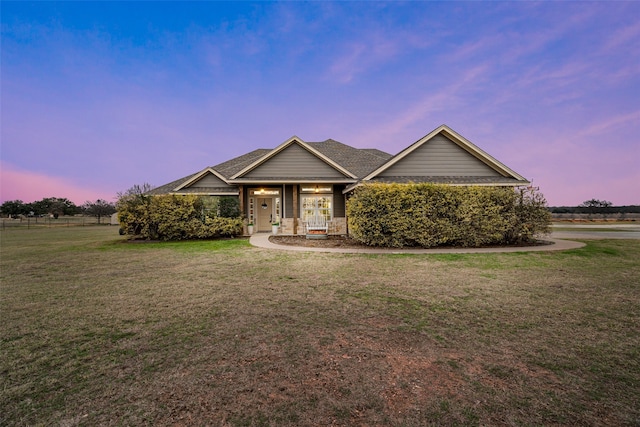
595,231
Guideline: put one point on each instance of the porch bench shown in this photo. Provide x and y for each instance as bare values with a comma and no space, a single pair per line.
317,227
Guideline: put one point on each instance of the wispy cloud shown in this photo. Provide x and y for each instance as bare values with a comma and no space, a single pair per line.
447,99
350,63
627,36
538,85
612,122
377,44
360,56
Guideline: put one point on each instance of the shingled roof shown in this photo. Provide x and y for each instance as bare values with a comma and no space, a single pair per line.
235,165
356,164
357,161
168,188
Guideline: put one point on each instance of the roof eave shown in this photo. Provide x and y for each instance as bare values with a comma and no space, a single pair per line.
207,193
247,181
457,184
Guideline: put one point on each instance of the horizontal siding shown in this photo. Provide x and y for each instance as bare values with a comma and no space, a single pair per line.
439,157
294,162
209,180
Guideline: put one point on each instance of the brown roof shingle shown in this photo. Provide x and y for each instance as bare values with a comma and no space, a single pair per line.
356,160
235,165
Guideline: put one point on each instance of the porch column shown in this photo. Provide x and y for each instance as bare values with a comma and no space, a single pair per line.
295,209
241,200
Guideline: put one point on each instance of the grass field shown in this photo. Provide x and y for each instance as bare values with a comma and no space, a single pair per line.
97,331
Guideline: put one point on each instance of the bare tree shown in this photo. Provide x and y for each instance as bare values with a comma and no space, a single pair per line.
99,208
595,203
136,190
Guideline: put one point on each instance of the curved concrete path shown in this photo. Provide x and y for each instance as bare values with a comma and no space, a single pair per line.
261,240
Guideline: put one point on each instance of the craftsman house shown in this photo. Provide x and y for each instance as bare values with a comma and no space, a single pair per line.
299,180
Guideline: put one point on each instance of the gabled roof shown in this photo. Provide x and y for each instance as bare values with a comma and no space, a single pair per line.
441,156
358,161
190,185
461,142
168,188
198,176
235,165
294,140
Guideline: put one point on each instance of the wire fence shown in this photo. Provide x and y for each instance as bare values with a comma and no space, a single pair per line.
50,222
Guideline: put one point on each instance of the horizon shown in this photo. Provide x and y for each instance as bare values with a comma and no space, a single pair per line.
96,100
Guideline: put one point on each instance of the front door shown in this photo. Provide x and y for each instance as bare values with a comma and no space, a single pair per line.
265,214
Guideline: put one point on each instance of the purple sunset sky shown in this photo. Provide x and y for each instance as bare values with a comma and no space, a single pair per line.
99,96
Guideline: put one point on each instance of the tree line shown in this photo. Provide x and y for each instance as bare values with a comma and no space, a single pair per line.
595,206
60,206
56,207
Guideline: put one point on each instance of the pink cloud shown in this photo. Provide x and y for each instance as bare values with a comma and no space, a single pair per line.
16,184
423,111
622,36
610,123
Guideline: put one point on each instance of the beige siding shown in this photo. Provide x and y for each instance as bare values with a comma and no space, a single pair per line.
439,157
294,162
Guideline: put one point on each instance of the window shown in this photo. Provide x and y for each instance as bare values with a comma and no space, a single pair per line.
316,206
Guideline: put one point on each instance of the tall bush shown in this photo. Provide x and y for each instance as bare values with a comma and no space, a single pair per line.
428,215
172,217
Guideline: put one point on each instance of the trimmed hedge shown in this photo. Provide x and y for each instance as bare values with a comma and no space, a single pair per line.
429,215
171,217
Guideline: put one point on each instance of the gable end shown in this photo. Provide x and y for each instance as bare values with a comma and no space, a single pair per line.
207,180
440,156
293,161
443,152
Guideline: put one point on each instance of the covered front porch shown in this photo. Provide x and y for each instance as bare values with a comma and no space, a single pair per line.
293,207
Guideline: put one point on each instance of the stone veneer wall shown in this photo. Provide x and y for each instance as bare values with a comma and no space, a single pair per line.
286,226
338,226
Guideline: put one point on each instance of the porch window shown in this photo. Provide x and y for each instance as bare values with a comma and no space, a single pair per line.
316,206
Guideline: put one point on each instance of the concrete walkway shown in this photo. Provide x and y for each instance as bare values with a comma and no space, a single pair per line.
261,240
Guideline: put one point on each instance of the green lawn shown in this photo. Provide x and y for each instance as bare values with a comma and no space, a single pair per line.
98,331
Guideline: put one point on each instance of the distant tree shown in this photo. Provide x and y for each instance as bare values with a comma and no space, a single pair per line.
595,206
14,208
55,206
99,208
136,190
595,203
